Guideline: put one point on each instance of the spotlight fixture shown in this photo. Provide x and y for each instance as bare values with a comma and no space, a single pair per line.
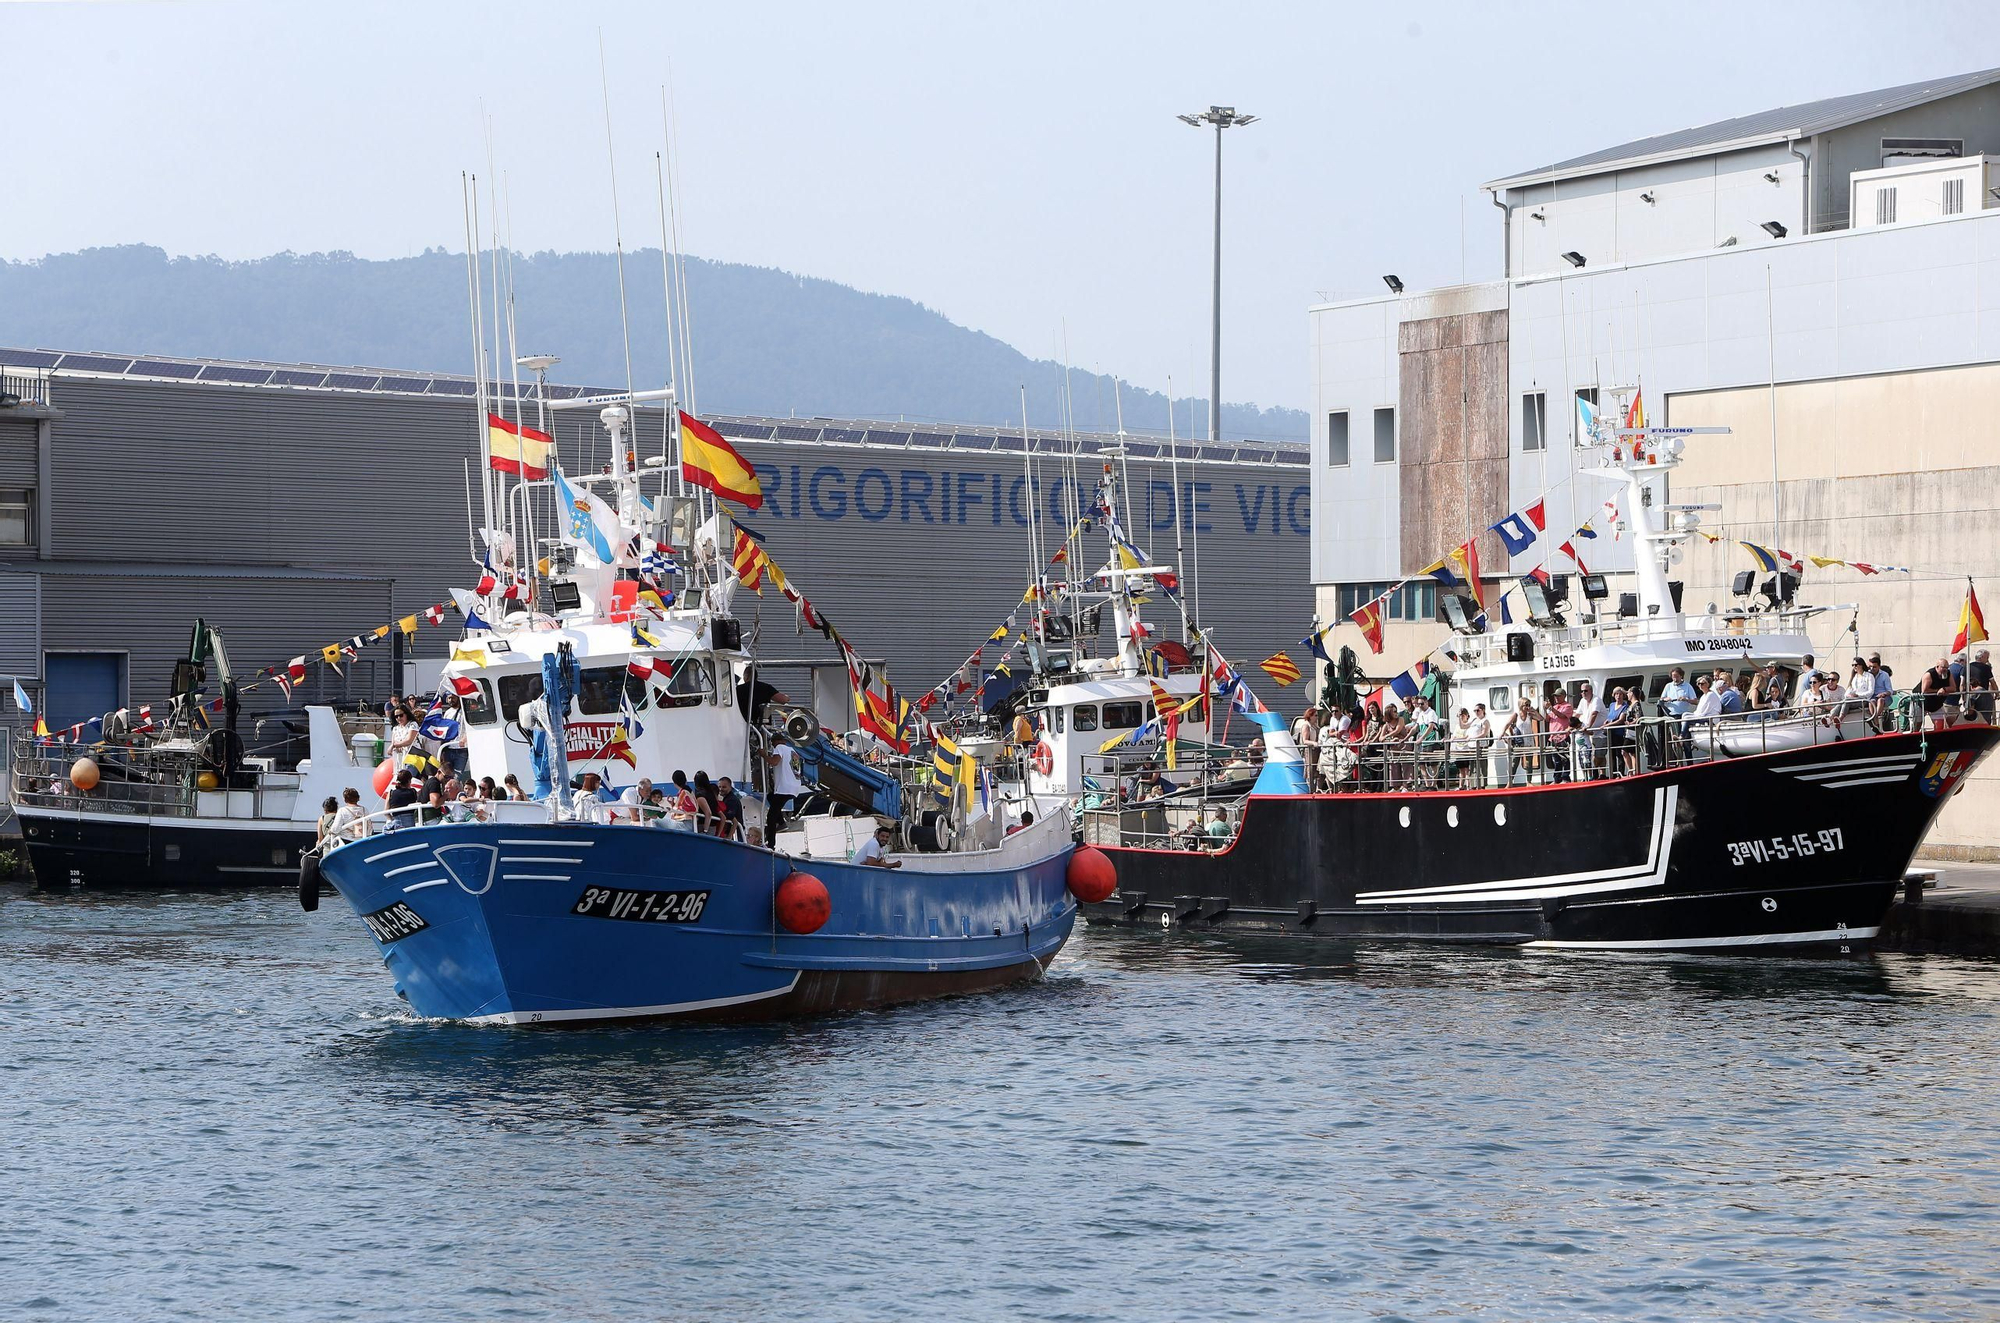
1770,176
1539,216
1648,198
1774,229
1573,258
1395,283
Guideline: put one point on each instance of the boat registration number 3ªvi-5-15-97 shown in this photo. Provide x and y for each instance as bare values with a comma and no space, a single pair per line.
641,906
1799,845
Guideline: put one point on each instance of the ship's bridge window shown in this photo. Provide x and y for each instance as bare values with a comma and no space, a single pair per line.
516,690
1122,716
1086,716
689,684
605,687
1056,720
478,708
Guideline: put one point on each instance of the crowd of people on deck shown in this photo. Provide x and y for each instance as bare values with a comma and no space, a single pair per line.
1582,735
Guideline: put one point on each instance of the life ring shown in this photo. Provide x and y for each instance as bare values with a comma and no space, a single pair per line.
1044,758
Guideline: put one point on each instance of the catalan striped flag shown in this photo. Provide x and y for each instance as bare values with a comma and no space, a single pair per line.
750,562
1280,667
709,461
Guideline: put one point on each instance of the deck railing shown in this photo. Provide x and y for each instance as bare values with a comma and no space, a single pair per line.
1133,799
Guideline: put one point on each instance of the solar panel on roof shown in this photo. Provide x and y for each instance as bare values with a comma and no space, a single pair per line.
929,439
749,431
446,386
413,385
564,392
1004,442
791,433
39,358
350,381
846,434
290,377
241,375
877,437
153,367
1140,450
969,441
92,363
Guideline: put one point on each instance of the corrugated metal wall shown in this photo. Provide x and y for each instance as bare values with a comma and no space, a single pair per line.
17,453
904,548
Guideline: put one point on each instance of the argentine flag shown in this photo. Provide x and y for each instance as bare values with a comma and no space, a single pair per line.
592,523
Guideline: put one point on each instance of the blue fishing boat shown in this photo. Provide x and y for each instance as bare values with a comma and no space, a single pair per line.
595,670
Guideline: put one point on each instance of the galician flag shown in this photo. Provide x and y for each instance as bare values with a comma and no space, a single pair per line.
593,525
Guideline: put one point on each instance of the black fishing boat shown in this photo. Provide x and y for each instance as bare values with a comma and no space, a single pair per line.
1764,830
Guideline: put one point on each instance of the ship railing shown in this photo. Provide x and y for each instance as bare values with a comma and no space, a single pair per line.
384,821
1134,799
142,780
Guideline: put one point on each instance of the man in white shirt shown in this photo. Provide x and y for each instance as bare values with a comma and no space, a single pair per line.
787,787
872,853
632,802
1589,716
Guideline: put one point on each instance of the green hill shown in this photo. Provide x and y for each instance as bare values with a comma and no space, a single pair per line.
766,341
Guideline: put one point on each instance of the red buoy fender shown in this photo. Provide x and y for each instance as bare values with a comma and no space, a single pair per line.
385,774
802,903
1092,875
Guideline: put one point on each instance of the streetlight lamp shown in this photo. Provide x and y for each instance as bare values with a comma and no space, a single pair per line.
1222,117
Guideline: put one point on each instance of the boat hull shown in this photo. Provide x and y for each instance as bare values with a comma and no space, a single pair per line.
570,923
1792,850
102,851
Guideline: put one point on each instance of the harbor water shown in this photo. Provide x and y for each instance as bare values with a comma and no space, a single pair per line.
216,1109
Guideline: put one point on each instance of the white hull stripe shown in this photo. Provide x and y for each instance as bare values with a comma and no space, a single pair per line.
567,845
625,1012
390,854
419,886
534,877
410,868
536,859
1834,767
1749,939
1627,877
1867,781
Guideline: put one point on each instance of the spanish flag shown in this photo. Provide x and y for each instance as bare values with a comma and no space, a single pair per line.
1467,556
709,461
1971,624
517,448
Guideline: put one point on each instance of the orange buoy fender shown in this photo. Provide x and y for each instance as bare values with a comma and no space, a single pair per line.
385,772
83,774
1092,875
803,904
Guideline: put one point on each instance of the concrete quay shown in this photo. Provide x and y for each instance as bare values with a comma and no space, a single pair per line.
1947,908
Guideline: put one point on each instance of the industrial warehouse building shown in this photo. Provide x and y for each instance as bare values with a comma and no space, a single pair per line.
292,507
1839,260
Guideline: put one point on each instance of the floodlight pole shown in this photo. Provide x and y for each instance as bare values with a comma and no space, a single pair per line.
1222,117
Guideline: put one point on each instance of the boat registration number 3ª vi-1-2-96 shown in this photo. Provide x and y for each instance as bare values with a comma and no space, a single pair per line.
1799,845
641,906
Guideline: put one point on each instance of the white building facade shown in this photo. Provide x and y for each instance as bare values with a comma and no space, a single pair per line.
1877,343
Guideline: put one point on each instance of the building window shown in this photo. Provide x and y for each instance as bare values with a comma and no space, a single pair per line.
1535,421
1336,440
1411,601
17,517
1954,196
1885,206
1385,436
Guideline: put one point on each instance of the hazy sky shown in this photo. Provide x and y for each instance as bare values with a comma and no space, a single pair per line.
1016,166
